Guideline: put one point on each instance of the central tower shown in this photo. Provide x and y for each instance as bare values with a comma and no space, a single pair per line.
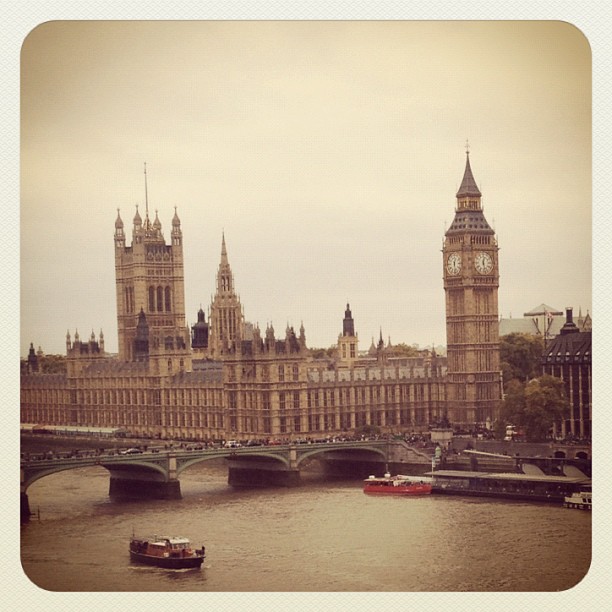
471,282
226,319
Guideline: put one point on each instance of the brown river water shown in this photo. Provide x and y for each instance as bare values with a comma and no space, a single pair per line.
325,536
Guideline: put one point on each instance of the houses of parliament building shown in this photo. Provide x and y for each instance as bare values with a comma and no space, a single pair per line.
226,378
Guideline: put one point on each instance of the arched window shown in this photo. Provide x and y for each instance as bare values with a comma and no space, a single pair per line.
151,299
160,299
168,301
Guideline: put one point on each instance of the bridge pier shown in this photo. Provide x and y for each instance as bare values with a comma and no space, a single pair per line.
129,488
257,477
139,482
262,472
24,507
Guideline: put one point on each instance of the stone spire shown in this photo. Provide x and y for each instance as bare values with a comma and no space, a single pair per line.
225,278
226,318
137,219
468,186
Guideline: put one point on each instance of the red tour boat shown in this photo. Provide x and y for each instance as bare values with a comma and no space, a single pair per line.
397,485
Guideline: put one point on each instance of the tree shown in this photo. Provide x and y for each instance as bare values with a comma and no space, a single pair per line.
520,357
545,404
52,364
535,406
403,350
322,353
47,364
513,406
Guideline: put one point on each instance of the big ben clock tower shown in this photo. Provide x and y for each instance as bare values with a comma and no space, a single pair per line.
471,281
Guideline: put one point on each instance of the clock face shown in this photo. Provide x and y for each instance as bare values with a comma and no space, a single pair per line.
453,264
483,263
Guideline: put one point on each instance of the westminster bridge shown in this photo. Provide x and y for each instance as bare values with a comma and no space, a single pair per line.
155,473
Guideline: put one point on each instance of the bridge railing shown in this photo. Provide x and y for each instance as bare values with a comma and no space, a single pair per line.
93,457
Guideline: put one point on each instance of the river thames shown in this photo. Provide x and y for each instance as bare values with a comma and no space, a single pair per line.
325,536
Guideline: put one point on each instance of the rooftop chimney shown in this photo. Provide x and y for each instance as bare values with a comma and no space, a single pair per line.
569,327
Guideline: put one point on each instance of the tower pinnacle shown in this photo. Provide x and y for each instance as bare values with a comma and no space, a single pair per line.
223,250
468,184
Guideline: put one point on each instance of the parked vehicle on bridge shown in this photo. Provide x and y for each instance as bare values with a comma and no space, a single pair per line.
167,552
132,451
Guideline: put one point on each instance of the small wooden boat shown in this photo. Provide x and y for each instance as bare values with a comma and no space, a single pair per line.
397,485
167,552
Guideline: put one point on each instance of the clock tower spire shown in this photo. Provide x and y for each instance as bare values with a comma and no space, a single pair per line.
471,282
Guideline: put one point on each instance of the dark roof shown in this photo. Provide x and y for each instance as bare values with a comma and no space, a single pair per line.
468,184
569,348
509,476
472,221
115,367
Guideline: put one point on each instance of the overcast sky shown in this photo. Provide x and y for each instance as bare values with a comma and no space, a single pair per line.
328,152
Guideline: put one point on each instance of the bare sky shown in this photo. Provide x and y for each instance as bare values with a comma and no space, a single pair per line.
328,152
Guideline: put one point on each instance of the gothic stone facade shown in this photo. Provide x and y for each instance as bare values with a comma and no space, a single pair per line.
229,380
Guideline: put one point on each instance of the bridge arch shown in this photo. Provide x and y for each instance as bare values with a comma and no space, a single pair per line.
31,475
188,462
303,455
28,479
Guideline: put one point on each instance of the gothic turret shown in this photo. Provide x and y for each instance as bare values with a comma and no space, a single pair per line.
199,333
119,234
347,340
348,325
157,223
270,341
32,359
177,234
137,219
